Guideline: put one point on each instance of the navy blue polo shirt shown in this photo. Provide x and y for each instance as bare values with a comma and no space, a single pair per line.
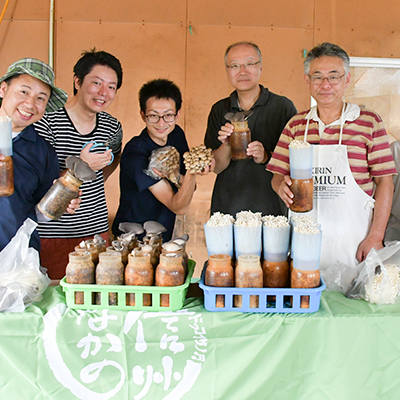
137,203
35,167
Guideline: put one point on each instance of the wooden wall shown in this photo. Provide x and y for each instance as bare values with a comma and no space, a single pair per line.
184,40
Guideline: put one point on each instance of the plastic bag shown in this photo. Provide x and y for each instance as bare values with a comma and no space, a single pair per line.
21,280
339,277
166,160
378,280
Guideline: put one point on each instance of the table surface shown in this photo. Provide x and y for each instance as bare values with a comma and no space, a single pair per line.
349,349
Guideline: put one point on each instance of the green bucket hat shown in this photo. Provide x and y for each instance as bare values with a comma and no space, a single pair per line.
39,70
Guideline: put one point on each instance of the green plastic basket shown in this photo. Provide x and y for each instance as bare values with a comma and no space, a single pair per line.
177,295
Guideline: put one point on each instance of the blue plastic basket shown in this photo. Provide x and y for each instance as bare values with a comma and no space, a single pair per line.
270,300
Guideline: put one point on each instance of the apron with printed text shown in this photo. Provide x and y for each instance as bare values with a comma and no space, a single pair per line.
342,208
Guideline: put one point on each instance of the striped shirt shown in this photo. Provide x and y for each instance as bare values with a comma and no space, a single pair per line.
366,139
92,216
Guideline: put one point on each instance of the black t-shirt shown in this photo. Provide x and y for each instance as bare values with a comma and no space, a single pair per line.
245,185
137,203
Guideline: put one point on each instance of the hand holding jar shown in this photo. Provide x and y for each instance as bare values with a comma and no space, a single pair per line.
301,163
241,135
58,198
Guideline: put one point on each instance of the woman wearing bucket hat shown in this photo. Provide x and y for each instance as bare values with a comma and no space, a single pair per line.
27,91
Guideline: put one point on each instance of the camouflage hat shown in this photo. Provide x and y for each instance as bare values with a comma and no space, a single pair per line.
39,70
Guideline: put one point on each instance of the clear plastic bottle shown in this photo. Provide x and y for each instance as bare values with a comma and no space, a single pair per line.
169,272
240,139
55,202
154,240
305,279
80,270
152,250
303,191
100,243
178,252
276,274
219,273
139,272
90,246
109,271
185,255
122,248
306,246
301,164
6,166
248,274
6,177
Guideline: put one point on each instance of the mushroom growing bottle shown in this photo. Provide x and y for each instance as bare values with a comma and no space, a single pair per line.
248,274
139,272
6,166
55,202
219,273
169,272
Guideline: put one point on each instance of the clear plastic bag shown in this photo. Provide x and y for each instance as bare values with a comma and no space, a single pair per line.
378,280
166,160
21,280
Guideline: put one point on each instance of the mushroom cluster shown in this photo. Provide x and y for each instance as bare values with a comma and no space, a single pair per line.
167,161
80,169
239,116
198,158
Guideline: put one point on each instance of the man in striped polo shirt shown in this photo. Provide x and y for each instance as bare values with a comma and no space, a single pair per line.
73,130
353,165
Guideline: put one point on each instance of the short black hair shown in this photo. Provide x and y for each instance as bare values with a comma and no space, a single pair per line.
92,58
160,89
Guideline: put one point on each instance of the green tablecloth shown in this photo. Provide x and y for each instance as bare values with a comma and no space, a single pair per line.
347,350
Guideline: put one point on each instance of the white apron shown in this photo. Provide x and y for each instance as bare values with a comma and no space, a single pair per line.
342,208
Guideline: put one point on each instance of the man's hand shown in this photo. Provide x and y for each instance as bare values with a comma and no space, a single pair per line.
74,204
160,174
96,161
256,150
206,170
225,132
365,246
383,204
281,184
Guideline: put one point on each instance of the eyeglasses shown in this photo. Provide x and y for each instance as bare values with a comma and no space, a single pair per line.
153,119
248,66
332,80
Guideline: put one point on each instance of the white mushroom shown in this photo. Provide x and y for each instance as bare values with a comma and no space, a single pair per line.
171,246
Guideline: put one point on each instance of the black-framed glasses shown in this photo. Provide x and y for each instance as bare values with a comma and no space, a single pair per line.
153,119
249,65
332,79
